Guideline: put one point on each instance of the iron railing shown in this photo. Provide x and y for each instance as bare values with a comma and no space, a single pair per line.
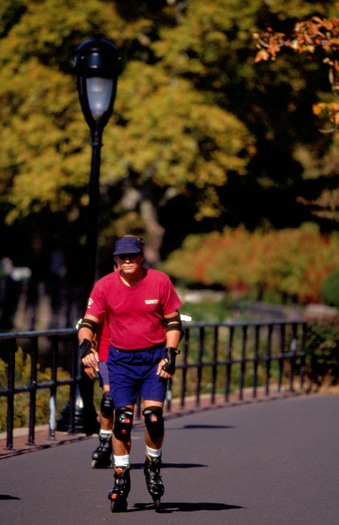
217,359
236,356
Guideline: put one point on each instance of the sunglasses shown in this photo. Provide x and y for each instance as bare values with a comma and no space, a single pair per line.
129,256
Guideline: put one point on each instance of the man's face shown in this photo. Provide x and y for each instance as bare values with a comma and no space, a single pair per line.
130,262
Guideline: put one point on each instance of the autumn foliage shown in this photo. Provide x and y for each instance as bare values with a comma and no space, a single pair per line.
291,263
316,36
307,37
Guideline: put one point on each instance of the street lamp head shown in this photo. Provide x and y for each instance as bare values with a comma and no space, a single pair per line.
97,65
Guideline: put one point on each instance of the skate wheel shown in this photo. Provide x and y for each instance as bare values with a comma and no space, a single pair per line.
100,464
118,505
157,504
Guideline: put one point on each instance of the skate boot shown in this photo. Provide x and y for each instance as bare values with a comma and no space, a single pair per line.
101,456
154,482
120,489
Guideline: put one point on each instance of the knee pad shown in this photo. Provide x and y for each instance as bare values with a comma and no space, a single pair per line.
107,405
123,422
154,421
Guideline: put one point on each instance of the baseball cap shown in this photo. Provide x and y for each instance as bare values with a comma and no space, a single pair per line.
128,245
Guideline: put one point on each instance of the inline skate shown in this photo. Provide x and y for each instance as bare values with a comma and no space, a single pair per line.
120,489
101,456
154,481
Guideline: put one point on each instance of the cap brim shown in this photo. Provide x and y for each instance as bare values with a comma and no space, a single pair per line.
130,250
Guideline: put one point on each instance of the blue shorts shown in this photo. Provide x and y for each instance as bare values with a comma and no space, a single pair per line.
134,372
103,373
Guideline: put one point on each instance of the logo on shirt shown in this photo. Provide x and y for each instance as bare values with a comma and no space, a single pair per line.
90,302
151,301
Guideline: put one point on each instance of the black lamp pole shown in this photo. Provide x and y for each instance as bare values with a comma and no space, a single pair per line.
97,65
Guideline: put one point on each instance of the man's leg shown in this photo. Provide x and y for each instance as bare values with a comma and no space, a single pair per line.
101,456
106,411
123,422
122,432
154,437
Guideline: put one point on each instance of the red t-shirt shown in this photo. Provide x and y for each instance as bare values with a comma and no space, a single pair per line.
135,313
102,336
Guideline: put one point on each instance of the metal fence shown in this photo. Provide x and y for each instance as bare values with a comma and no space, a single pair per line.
217,359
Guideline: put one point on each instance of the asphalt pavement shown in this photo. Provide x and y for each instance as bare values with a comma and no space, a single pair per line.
273,462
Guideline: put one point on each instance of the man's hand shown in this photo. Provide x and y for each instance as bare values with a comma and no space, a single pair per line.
90,372
91,360
89,356
161,372
166,367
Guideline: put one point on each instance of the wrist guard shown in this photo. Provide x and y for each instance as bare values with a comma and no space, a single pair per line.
172,353
85,347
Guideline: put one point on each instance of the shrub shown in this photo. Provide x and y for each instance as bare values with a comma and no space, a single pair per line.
21,400
330,289
322,351
290,263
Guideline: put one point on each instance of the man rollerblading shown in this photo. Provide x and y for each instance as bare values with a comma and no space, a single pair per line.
101,456
120,489
141,307
154,481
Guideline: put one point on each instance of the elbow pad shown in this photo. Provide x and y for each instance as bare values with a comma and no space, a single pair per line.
174,323
87,323
172,353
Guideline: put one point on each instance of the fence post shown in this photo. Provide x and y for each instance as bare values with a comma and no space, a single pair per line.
33,390
199,364
10,397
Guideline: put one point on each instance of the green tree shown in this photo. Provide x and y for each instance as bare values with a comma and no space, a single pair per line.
168,138
201,135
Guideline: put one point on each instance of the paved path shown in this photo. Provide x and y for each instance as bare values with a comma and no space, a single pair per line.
266,463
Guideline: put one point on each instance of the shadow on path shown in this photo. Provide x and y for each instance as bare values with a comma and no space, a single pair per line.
168,507
208,427
140,466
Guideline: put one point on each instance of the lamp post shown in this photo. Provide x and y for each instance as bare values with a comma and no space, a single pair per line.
97,65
